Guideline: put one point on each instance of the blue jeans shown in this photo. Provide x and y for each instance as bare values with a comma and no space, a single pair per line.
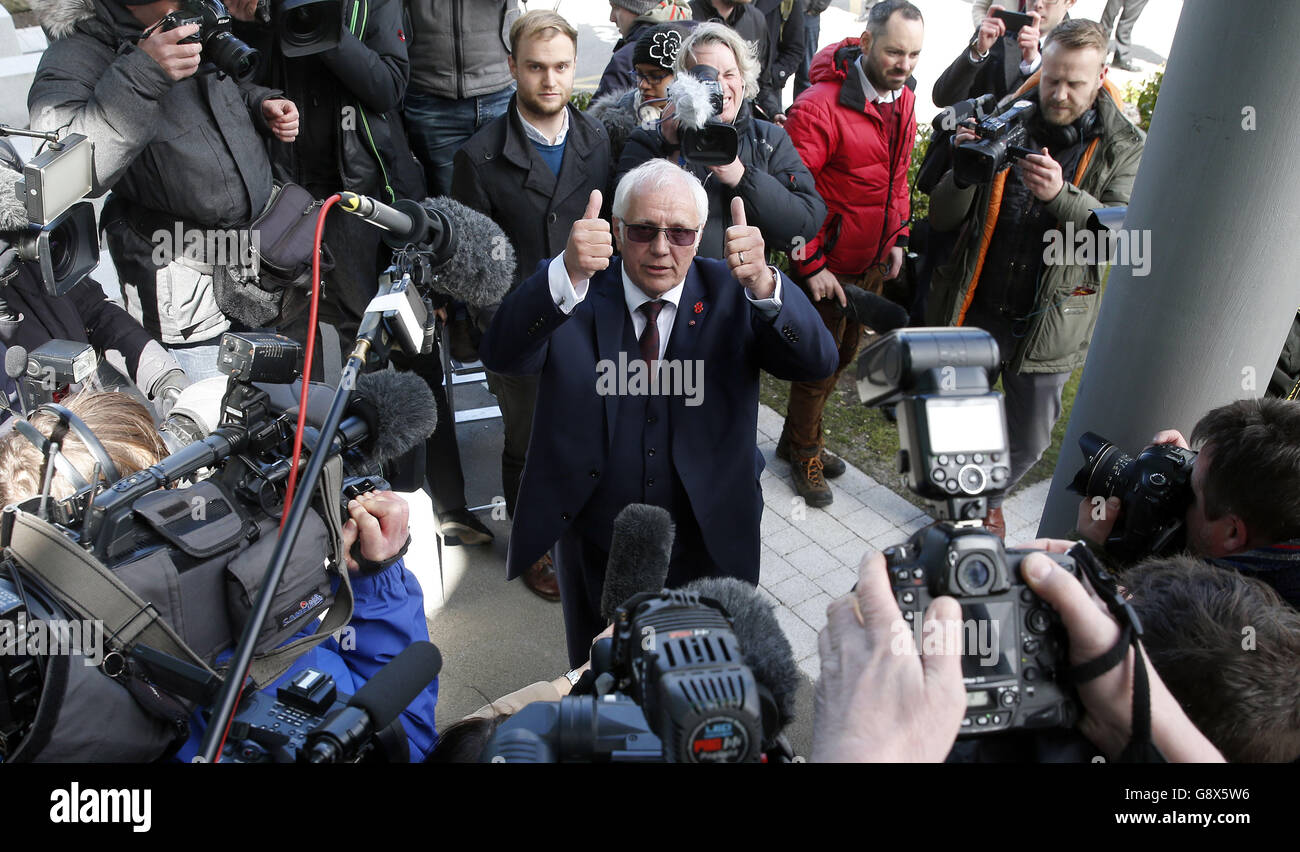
198,361
812,26
437,127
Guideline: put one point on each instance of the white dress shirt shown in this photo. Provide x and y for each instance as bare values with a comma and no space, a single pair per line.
569,295
538,136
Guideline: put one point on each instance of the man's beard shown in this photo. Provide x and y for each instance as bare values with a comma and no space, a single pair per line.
877,78
540,107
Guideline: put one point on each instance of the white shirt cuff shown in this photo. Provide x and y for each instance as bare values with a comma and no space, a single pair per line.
566,294
771,306
1027,68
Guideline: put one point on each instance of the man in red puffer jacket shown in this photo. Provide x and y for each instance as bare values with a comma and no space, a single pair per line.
854,128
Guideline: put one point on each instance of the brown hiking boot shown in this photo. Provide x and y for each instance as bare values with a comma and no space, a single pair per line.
832,465
809,479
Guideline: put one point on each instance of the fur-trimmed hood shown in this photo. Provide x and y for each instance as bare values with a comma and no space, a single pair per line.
13,212
60,17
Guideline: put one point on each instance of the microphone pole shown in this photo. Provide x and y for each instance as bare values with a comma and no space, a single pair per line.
232,688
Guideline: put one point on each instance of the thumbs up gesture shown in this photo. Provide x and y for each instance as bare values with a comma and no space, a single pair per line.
590,244
746,254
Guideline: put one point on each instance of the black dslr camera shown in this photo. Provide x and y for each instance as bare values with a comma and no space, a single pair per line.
1155,490
220,46
715,142
952,430
671,685
1002,139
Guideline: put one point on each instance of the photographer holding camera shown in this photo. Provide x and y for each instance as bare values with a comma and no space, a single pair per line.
766,173
387,602
31,316
875,705
1241,511
1041,314
177,139
1000,58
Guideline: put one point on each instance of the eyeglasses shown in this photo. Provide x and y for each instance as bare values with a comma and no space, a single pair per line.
654,78
647,234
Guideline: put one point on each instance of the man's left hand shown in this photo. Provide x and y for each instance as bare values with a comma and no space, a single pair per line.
1028,39
379,519
1042,176
746,254
282,116
731,173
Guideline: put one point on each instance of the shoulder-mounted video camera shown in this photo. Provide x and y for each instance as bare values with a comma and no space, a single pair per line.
671,686
62,238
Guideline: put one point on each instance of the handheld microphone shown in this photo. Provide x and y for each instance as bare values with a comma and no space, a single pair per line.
375,706
16,369
639,552
762,642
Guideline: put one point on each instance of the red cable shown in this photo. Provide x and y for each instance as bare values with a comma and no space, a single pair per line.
307,358
302,408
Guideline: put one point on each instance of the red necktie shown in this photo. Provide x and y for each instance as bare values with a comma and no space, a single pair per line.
650,334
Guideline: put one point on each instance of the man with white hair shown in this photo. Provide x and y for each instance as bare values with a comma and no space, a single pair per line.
648,393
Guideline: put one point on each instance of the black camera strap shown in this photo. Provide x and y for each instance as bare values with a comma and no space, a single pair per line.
1140,748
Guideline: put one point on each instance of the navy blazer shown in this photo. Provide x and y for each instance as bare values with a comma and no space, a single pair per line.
712,443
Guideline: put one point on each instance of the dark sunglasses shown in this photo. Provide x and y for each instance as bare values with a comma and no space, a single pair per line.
647,234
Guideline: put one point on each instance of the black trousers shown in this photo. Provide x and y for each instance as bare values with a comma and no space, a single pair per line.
580,570
517,399
446,478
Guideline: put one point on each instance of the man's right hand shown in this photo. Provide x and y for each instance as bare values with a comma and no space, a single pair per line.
178,61
824,285
590,244
991,29
1171,436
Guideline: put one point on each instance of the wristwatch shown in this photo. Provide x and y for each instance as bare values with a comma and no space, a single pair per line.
574,676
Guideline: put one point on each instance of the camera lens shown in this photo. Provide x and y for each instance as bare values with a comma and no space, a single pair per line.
232,56
300,24
974,574
1105,470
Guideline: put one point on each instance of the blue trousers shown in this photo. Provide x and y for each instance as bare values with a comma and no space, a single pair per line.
437,127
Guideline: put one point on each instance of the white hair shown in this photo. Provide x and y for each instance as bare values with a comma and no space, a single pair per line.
662,175
712,32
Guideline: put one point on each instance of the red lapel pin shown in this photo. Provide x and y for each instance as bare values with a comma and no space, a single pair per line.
699,307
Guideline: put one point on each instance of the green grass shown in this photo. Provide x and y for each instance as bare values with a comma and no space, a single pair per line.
865,439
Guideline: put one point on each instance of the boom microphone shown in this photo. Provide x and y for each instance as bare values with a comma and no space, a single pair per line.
399,410
406,222
762,641
639,551
376,705
470,259
874,311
